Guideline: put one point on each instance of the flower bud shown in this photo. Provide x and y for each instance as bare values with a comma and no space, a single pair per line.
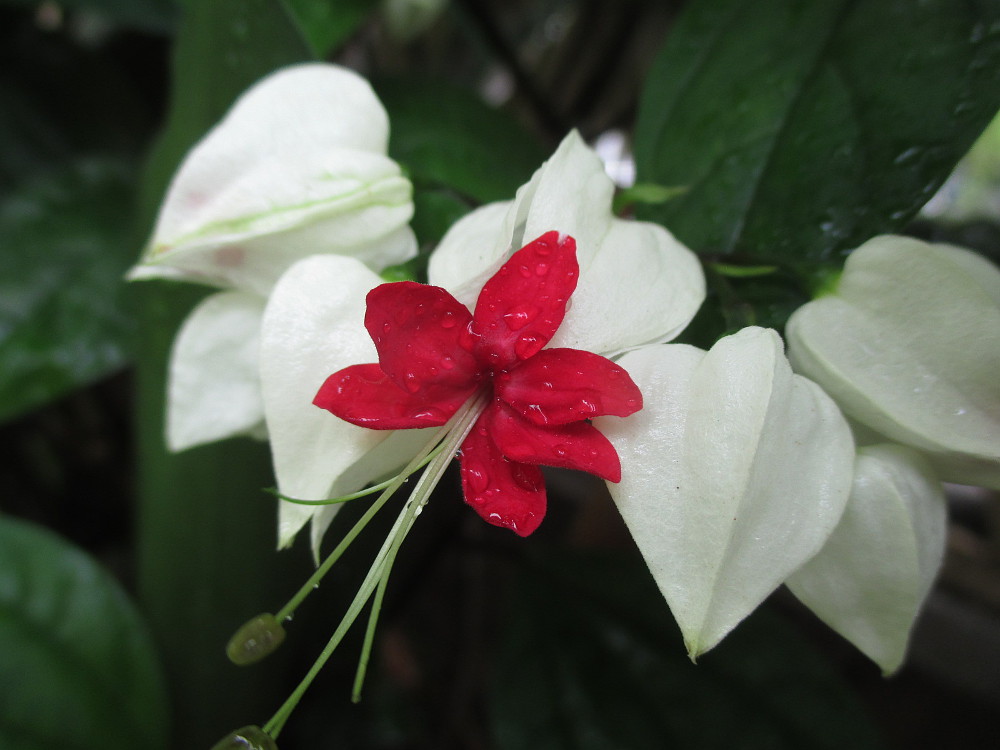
255,639
247,738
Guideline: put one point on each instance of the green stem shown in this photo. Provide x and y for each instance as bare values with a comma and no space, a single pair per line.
456,430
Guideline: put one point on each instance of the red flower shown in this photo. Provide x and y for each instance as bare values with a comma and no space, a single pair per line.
434,356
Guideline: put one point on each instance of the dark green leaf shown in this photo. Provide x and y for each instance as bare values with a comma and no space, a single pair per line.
446,136
591,659
801,129
64,249
329,23
206,533
77,669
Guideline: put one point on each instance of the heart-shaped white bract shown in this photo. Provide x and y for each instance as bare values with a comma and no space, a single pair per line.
909,346
734,473
297,167
638,284
872,576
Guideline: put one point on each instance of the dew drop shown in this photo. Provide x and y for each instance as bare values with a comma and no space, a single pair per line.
448,320
412,382
524,271
560,450
519,316
429,414
543,249
386,327
528,346
541,269
478,480
447,363
586,406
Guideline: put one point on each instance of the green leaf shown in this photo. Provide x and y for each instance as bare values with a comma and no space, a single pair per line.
206,535
77,668
591,659
801,129
446,136
64,250
329,23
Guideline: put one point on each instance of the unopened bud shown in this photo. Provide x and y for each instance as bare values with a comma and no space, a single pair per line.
254,640
247,738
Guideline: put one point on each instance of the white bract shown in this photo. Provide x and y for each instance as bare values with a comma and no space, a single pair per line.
637,284
909,346
734,473
298,167
872,576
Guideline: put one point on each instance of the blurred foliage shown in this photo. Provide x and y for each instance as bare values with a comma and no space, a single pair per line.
77,668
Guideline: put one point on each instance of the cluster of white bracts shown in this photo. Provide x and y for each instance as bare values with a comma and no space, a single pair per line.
738,474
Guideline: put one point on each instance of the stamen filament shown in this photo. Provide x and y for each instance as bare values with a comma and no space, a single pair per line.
452,435
354,495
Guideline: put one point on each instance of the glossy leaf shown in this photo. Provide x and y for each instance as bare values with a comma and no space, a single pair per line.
63,323
801,129
77,667
445,135
590,660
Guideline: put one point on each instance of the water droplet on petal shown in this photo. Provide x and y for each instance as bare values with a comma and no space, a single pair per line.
528,346
448,320
525,271
586,406
386,327
519,316
447,363
429,413
412,382
560,450
541,269
478,481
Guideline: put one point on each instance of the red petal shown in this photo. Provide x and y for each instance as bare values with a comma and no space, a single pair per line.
416,328
504,493
559,386
522,305
364,395
573,446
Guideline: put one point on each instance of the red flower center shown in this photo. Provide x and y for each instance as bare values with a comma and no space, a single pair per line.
434,356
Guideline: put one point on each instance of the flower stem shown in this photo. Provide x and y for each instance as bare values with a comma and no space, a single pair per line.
452,435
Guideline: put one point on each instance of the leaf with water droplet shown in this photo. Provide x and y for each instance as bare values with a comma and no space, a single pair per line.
810,127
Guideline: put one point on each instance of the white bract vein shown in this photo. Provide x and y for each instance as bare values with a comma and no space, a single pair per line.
297,167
